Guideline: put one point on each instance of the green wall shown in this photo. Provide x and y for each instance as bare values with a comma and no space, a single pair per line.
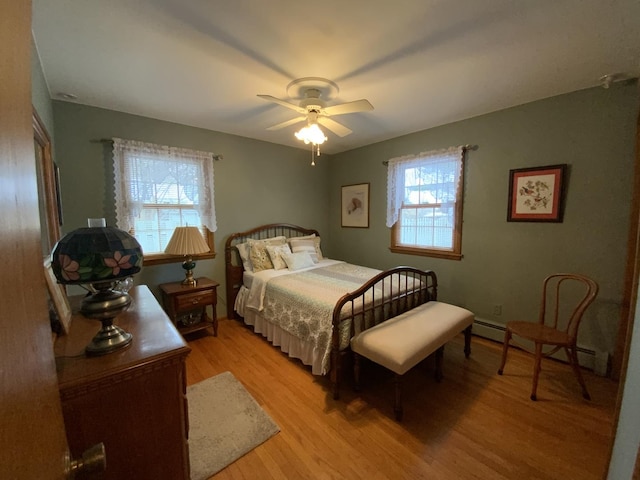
593,131
40,98
255,183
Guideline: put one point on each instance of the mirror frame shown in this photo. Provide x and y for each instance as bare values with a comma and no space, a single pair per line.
48,183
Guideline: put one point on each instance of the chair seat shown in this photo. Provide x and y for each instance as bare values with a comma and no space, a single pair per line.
539,332
579,291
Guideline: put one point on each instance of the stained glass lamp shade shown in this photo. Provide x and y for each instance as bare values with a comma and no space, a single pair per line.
96,258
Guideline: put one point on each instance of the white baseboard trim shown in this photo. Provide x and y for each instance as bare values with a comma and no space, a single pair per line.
588,358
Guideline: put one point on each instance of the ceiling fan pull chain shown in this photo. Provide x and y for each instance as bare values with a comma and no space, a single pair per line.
313,163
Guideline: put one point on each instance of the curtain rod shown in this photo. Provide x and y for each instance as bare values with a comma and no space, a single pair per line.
216,156
465,148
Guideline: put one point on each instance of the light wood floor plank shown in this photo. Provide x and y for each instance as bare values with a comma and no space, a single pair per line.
475,424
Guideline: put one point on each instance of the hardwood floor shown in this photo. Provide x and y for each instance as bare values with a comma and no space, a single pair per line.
475,424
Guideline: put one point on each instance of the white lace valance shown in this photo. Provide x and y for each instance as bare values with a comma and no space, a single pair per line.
396,174
137,165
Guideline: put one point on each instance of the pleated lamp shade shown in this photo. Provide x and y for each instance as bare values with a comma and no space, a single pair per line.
186,241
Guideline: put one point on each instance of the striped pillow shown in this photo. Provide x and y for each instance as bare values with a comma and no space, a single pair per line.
305,245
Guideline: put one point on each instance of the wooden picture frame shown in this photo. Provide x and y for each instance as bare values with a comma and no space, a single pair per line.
355,205
56,177
536,194
58,297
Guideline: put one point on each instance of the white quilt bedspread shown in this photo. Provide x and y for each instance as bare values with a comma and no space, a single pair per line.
302,302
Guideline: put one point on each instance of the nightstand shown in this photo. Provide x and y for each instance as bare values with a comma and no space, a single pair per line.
187,305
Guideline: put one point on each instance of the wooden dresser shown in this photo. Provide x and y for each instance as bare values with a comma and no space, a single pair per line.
132,400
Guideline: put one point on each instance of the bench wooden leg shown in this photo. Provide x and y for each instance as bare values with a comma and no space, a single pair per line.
439,357
397,408
467,341
357,359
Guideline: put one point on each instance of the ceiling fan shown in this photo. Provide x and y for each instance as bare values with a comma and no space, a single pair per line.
313,94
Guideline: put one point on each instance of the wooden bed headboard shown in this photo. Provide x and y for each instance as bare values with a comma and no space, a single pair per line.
233,264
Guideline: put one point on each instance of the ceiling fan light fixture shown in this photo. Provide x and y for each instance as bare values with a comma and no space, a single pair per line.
311,134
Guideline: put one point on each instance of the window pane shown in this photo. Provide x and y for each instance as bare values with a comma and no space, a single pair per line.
156,224
427,227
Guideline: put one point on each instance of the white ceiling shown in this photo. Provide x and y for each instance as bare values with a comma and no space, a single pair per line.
421,63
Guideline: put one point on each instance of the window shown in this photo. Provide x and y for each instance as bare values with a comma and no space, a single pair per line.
424,203
158,188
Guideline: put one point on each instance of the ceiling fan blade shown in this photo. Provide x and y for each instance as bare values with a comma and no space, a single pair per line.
287,123
283,103
334,126
349,107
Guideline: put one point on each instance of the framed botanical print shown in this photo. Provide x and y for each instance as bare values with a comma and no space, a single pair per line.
355,205
536,194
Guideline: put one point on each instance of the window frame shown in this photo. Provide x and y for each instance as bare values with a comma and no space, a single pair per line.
455,252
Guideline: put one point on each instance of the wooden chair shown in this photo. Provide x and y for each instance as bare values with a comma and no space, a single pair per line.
558,322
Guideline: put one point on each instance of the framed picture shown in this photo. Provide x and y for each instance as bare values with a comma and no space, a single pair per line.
58,297
56,176
355,205
536,194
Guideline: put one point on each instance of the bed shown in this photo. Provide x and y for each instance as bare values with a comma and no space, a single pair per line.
311,312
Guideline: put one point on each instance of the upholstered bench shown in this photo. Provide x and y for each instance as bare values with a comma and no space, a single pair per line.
402,342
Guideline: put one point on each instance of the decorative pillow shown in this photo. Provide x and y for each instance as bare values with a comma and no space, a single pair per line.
275,254
243,250
316,242
305,245
307,237
296,261
258,254
303,237
269,241
260,257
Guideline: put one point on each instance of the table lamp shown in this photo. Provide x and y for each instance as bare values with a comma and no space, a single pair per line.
97,258
187,241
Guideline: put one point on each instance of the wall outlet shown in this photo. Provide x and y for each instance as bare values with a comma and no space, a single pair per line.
497,310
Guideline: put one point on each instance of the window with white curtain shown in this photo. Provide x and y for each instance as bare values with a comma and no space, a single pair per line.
424,203
158,188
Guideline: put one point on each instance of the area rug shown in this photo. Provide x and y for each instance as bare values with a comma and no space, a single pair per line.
225,422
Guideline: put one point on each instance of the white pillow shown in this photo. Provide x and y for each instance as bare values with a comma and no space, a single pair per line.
303,237
316,242
275,253
268,241
296,261
243,250
305,245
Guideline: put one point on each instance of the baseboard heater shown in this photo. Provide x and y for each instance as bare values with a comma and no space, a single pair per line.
588,358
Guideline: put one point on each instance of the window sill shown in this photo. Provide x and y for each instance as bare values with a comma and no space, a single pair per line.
161,258
426,252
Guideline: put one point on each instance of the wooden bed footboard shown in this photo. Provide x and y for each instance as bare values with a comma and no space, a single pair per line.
233,264
385,296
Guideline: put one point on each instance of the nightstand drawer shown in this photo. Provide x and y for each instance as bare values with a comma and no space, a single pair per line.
196,299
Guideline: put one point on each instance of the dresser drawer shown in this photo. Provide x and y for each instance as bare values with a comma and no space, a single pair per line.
192,300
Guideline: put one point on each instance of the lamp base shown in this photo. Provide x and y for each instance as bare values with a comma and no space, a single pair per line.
189,280
105,305
109,339
188,266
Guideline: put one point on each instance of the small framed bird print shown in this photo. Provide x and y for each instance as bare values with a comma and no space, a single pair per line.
536,194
